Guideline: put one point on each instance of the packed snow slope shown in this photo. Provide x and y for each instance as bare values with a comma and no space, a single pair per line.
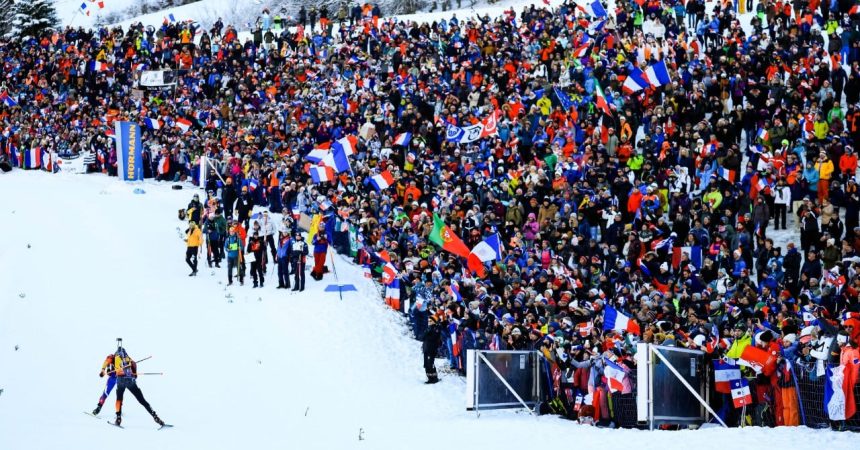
85,260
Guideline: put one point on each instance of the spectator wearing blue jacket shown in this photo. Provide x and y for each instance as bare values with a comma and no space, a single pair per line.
283,254
320,250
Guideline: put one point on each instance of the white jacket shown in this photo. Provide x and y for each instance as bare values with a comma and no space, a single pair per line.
782,195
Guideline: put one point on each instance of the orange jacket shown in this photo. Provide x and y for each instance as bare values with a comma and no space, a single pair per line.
848,163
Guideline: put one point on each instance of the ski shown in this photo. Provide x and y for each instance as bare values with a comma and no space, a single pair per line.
115,424
91,414
165,426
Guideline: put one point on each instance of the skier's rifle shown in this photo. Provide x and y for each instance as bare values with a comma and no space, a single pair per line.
125,366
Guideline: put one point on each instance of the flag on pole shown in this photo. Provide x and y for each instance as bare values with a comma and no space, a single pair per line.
84,9
7,99
403,139
454,290
614,320
635,82
581,51
741,393
152,124
762,134
724,373
564,99
600,98
321,174
594,9
444,237
319,153
392,294
382,180
389,274
657,74
490,249
615,375
183,124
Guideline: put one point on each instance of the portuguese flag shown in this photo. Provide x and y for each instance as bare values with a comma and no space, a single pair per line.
600,99
445,238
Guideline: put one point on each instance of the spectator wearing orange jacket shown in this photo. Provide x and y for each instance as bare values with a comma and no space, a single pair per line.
848,163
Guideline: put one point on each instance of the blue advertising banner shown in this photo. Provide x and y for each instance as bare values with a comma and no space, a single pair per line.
129,151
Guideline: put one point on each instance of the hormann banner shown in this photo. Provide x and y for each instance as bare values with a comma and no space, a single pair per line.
129,151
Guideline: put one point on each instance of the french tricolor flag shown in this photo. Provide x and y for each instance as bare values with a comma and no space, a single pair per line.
152,124
741,395
594,9
183,124
762,134
614,320
615,375
403,139
635,82
33,158
99,66
321,174
454,290
581,51
727,174
382,180
163,165
348,144
389,274
839,401
319,153
724,373
658,74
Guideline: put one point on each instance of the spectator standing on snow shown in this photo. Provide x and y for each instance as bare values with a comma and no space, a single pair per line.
193,242
299,256
432,341
320,250
233,248
283,259
256,252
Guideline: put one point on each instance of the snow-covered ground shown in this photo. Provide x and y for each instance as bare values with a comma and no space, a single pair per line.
85,260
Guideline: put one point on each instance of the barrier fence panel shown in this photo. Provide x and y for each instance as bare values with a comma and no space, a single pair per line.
624,406
503,379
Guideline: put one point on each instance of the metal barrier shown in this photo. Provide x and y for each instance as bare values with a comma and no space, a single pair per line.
810,393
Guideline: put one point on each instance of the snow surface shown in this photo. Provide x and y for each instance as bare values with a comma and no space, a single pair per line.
85,260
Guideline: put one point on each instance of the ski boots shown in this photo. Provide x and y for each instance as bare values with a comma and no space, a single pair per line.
118,420
97,410
156,419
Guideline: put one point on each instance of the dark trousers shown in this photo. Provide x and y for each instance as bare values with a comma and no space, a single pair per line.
779,213
270,239
283,273
191,258
129,383
430,365
257,272
233,263
215,253
299,279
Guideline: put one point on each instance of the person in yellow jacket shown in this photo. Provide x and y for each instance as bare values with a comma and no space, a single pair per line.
820,127
741,339
824,166
545,105
713,198
193,241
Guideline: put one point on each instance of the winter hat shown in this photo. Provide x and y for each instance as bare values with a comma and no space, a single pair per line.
790,338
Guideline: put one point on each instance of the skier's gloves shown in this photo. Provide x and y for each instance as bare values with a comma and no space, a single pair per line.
102,374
